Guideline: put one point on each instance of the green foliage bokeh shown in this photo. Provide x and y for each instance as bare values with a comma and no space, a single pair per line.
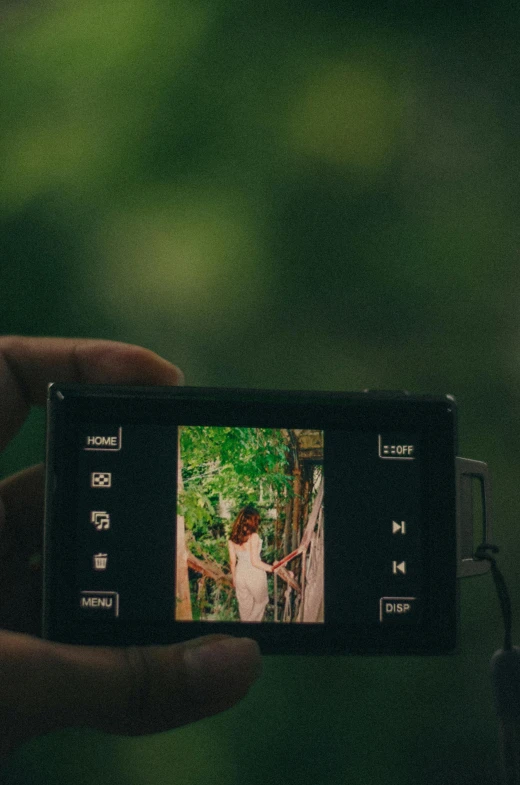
313,195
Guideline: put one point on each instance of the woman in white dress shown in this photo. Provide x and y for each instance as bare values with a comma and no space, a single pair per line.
248,571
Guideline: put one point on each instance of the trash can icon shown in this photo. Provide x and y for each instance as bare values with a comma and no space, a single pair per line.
100,561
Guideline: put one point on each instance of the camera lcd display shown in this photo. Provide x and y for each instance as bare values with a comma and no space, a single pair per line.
312,528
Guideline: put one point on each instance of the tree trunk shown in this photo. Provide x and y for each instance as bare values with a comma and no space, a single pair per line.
313,541
287,539
183,610
297,487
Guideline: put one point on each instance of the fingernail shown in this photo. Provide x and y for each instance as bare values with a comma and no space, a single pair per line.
213,661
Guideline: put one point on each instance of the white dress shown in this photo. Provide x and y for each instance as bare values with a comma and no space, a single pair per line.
250,584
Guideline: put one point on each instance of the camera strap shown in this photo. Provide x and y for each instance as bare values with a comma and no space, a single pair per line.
505,676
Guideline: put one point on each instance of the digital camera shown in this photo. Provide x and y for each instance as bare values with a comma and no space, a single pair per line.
313,522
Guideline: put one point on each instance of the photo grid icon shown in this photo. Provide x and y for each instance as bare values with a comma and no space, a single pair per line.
101,480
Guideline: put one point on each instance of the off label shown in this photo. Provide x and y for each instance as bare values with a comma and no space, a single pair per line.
393,448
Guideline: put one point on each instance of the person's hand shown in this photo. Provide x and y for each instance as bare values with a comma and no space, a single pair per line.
46,686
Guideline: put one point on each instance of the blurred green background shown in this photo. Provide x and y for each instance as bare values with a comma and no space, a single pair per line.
318,195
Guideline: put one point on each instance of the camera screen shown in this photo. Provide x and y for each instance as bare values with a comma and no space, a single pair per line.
226,524
313,522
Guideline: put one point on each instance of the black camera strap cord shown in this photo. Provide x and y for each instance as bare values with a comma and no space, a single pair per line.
505,676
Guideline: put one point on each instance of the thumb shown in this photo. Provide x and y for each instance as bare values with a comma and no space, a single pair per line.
46,686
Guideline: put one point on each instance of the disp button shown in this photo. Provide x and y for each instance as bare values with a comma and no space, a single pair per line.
398,610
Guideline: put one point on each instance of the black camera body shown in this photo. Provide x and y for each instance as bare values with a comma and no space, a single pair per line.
314,522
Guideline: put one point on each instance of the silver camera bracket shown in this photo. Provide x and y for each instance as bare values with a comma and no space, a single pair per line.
466,472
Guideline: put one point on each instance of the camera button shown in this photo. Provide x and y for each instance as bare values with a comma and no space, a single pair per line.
399,527
392,448
398,609
399,567
104,603
101,479
387,393
110,440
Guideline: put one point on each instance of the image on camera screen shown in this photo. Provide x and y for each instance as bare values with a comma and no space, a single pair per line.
250,525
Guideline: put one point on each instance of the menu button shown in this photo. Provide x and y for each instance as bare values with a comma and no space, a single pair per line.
100,602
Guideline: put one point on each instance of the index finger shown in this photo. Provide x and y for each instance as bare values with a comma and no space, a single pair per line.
27,365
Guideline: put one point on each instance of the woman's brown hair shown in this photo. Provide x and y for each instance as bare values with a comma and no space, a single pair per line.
247,522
